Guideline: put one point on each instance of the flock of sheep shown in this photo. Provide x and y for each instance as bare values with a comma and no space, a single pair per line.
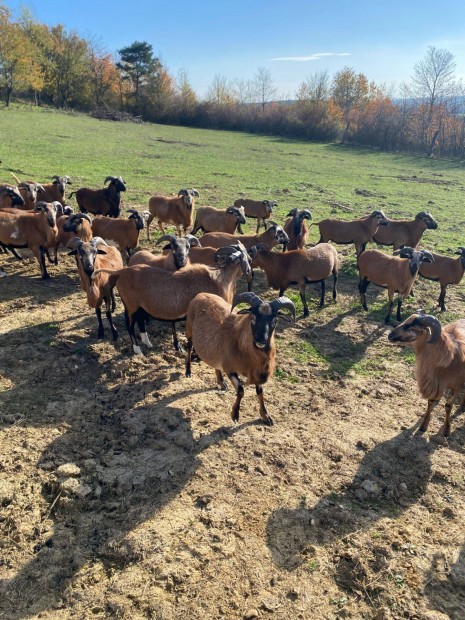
195,279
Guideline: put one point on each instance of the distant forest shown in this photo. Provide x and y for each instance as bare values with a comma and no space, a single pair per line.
49,65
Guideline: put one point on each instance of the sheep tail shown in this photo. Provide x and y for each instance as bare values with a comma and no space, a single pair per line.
15,177
72,194
115,273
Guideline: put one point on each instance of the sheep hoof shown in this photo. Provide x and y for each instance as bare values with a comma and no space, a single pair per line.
137,350
115,336
100,334
439,439
269,421
188,374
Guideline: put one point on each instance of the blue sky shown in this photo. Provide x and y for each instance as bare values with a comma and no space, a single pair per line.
381,39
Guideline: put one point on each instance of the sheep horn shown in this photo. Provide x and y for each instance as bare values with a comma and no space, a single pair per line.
283,303
427,255
271,223
40,188
306,214
98,241
195,193
247,298
40,206
108,179
169,238
227,250
74,243
182,192
193,240
24,185
422,214
404,252
131,211
84,216
55,176
292,212
430,321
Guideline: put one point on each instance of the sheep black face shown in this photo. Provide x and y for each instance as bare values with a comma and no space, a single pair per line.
415,257
135,215
14,195
117,183
238,212
180,248
50,212
264,316
236,254
297,220
380,218
86,252
427,219
415,327
74,221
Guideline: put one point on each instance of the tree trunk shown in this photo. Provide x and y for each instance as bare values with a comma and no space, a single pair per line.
433,142
8,92
346,131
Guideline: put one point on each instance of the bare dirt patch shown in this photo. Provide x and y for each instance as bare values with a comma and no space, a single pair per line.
126,493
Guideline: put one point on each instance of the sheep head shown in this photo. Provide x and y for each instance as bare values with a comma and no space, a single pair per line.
13,194
263,316
379,217
86,252
416,327
236,254
415,257
180,247
428,219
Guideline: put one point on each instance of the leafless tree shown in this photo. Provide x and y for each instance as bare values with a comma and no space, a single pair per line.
264,87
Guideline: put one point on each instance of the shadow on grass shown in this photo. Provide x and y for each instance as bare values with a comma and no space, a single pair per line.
445,585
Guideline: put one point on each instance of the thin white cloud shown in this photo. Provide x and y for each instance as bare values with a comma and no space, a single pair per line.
311,57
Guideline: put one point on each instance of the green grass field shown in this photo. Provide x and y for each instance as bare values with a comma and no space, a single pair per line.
223,166
337,511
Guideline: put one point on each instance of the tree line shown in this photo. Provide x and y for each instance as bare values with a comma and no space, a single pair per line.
49,65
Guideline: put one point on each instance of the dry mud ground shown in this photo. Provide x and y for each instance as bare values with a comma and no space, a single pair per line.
338,511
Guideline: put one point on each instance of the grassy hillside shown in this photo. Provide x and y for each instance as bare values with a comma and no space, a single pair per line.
124,490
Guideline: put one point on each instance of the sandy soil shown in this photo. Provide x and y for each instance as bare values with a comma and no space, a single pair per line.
126,493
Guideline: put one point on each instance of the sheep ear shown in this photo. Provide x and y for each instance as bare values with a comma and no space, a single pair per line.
245,311
285,316
99,251
73,252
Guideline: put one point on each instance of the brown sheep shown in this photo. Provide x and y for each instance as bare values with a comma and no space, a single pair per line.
176,210
440,361
445,270
260,210
359,232
274,235
405,233
236,343
125,233
296,229
209,219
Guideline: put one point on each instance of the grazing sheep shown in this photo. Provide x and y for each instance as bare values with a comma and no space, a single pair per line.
359,232
236,343
405,233
296,229
396,273
274,235
176,210
445,270
209,219
104,201
176,256
90,257
148,291
125,233
440,360
260,210
55,191
298,267
36,231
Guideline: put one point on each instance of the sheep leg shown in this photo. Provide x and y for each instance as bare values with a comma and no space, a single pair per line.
13,251
250,280
448,408
130,322
108,311
51,262
220,380
240,395
424,425
258,226
302,297
160,225
188,357
323,292
399,306
176,344
265,224
149,221
391,303
140,318
39,253
101,329
263,412
334,285
113,302
441,299
362,287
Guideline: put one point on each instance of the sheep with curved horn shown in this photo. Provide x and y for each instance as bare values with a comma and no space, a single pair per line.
440,360
236,343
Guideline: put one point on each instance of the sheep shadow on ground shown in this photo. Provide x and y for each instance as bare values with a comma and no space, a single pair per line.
134,456
445,585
